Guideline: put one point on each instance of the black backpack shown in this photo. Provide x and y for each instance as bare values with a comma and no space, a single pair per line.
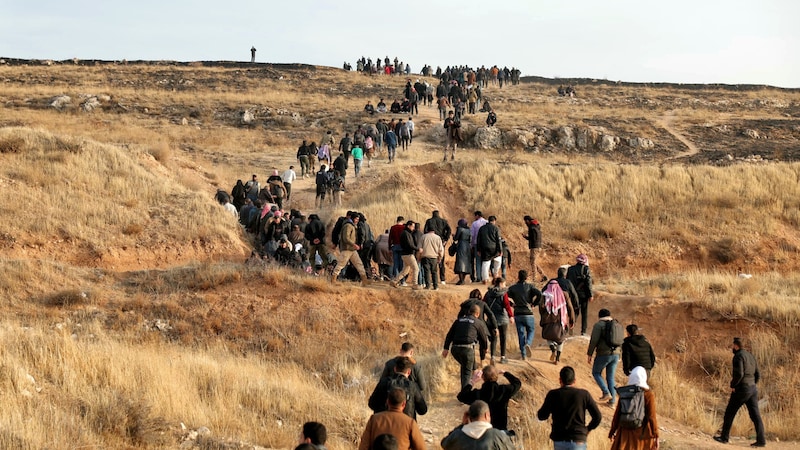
614,333
631,406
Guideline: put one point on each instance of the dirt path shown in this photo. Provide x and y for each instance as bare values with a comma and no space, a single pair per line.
666,123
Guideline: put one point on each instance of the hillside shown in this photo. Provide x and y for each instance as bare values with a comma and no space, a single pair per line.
130,320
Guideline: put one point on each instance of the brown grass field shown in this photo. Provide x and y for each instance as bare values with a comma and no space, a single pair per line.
130,321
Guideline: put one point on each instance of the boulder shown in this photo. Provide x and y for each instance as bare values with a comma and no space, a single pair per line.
565,137
752,134
90,104
247,117
488,137
60,102
518,138
641,143
608,143
586,138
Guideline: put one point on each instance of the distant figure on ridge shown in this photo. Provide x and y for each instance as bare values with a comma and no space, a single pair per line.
252,54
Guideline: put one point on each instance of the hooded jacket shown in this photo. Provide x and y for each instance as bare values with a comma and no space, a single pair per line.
636,351
477,435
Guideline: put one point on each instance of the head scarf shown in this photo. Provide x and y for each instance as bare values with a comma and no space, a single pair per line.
462,223
583,259
638,377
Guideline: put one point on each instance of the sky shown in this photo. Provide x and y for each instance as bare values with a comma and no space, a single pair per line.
678,41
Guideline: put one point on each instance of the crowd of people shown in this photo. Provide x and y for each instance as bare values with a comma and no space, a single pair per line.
399,396
414,255
409,254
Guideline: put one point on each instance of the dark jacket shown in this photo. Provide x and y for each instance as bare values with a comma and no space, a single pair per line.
415,402
581,277
416,374
468,330
315,230
486,314
525,296
439,226
488,243
534,236
407,243
496,395
636,351
570,292
745,370
568,405
340,165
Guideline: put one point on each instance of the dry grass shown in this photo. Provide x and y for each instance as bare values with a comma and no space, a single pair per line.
120,359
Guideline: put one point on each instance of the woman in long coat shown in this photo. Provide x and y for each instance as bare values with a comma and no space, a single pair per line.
461,238
646,436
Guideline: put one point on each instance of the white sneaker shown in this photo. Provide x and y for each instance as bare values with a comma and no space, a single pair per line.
442,283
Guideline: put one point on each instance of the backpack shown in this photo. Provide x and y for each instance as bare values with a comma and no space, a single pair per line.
614,333
631,406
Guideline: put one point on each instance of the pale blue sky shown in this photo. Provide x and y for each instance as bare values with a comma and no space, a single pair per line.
698,41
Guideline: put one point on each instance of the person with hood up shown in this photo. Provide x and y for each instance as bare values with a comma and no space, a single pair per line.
477,431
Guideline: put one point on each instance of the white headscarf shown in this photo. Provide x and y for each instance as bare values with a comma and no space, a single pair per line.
638,377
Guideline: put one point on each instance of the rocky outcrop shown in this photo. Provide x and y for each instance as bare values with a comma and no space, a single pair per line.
60,102
608,143
488,137
565,137
640,143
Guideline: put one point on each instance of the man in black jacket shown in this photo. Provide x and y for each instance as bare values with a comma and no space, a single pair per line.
534,237
568,405
495,394
442,229
465,333
408,253
636,351
744,378
315,235
415,402
581,277
490,249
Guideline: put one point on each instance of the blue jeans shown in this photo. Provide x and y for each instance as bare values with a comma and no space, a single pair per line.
525,328
569,445
609,363
397,260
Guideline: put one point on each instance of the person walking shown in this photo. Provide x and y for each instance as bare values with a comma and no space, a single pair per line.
525,297
393,422
744,378
490,249
607,357
467,332
496,299
534,238
348,249
568,406
644,437
636,351
496,395
581,277
557,318
462,239
432,251
408,253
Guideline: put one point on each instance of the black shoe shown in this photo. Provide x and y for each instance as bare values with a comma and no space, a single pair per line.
544,278
720,439
758,444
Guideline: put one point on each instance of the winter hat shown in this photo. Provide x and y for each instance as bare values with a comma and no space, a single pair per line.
638,377
582,259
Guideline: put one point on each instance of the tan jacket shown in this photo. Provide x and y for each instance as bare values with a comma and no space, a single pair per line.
431,246
347,237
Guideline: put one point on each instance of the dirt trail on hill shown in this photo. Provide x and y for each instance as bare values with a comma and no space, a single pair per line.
666,123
